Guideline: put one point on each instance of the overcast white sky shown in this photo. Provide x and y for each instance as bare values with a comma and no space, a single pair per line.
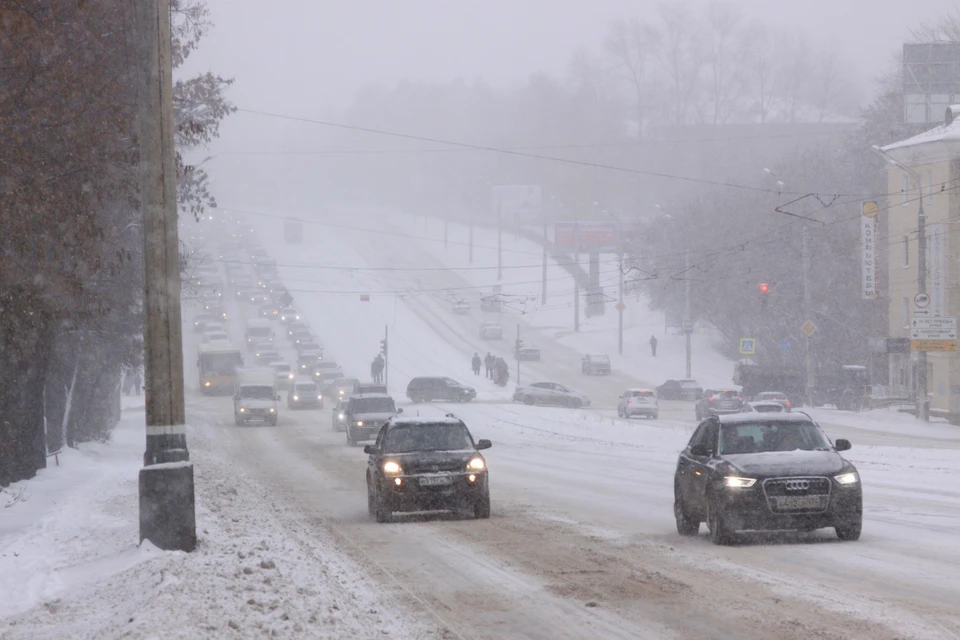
309,57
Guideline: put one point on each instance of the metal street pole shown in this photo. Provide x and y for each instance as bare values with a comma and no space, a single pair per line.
386,358
166,482
686,313
576,277
499,241
518,354
923,409
620,310
471,239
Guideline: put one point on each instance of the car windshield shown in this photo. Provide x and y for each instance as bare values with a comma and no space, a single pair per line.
768,408
450,382
257,393
600,359
642,394
307,388
374,405
258,332
726,394
763,437
281,368
427,437
328,364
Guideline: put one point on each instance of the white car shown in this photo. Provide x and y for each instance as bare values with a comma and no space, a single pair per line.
551,393
763,406
289,314
638,402
285,374
491,331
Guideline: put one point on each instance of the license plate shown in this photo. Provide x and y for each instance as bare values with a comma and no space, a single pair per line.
433,481
799,502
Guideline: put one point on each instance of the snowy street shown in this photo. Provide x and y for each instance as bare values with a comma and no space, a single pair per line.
581,543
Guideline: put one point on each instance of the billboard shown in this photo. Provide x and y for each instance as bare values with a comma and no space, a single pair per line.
587,237
518,203
931,80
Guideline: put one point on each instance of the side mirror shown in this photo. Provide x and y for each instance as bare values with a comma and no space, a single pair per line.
371,449
700,450
842,445
483,444
400,410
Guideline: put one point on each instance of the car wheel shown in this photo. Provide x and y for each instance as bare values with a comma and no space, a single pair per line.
576,403
371,503
686,526
528,400
849,531
656,416
238,421
481,510
350,441
720,534
381,511
619,412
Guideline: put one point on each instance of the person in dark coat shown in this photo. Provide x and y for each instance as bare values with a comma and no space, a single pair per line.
653,346
476,363
488,363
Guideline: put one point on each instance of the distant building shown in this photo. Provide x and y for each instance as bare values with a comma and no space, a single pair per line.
934,156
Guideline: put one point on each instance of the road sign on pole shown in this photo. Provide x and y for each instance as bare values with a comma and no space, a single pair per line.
784,345
748,346
808,328
933,329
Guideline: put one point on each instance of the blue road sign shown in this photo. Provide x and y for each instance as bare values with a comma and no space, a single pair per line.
784,345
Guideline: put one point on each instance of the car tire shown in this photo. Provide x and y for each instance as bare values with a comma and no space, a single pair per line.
686,526
720,534
620,412
381,511
528,400
481,510
350,441
238,421
371,503
656,416
272,423
576,403
849,531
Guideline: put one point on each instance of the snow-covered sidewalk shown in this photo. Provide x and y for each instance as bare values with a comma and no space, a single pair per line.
70,566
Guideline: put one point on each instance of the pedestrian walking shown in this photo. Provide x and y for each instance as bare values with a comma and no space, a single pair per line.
488,361
653,346
476,363
137,382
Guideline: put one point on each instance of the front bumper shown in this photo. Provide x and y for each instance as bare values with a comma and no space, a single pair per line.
410,495
751,510
305,404
366,432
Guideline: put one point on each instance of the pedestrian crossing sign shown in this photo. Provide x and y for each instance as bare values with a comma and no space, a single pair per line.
748,346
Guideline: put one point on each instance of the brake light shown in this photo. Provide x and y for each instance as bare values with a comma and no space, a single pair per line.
787,403
740,399
710,400
629,401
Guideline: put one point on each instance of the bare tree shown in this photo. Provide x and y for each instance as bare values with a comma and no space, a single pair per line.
946,28
680,59
727,61
631,45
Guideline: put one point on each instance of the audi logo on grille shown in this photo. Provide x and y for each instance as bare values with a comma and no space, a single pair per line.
797,485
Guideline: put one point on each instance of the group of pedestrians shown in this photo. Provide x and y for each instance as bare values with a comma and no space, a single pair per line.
376,368
496,368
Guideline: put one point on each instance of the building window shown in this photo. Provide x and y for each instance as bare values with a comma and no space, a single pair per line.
906,251
905,190
905,313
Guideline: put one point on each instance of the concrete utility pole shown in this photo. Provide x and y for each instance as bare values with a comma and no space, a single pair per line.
620,308
543,290
576,278
386,358
499,242
686,313
923,407
518,354
167,515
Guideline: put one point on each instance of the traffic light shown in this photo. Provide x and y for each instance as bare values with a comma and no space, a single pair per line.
383,346
764,294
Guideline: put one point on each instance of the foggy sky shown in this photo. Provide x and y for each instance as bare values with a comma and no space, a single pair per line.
309,57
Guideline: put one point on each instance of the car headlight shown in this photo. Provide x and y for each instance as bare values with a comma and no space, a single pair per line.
391,467
359,423
206,384
341,417
296,397
847,478
242,409
319,397
476,464
737,482
290,376
272,409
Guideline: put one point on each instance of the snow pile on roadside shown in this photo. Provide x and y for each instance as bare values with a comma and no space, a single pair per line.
85,577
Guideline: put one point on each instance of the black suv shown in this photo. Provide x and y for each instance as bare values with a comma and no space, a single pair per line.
363,415
426,464
770,472
439,388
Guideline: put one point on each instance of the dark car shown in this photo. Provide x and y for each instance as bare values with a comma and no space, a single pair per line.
771,472
363,416
714,402
307,362
305,394
595,365
679,390
426,464
427,389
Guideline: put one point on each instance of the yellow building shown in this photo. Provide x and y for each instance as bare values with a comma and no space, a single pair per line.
931,158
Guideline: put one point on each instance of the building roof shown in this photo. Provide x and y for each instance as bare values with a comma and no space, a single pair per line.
937,144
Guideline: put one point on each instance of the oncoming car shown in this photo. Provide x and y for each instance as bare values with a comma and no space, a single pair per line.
775,472
426,464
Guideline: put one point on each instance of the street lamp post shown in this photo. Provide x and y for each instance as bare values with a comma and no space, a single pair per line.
923,409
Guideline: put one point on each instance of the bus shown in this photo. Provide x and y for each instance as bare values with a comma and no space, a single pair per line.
217,363
292,231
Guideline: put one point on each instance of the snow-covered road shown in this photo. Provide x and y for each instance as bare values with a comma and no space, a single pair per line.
581,542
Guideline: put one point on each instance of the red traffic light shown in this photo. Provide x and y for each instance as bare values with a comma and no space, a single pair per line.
764,287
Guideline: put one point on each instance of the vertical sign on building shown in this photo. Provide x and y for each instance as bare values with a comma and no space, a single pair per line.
869,230
935,268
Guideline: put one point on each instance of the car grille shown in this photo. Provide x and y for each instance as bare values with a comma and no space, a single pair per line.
437,467
801,494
